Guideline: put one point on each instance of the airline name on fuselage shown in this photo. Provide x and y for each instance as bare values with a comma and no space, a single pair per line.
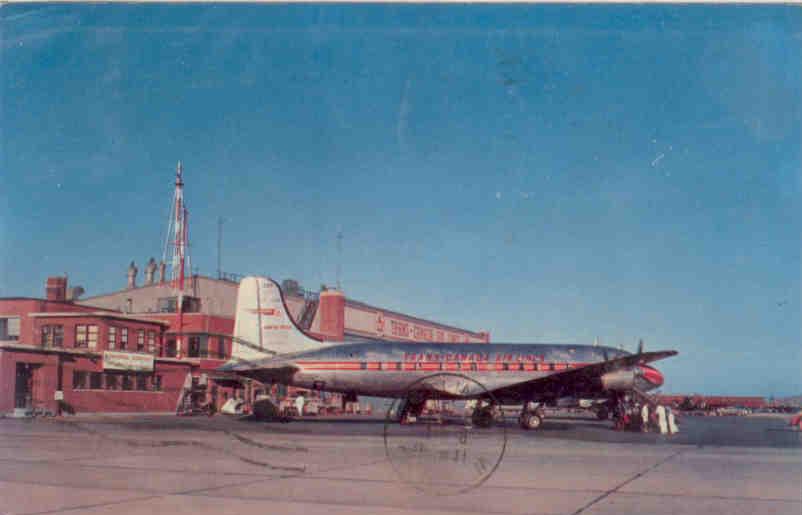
474,356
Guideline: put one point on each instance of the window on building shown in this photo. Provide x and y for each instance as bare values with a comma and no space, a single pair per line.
53,335
198,346
157,383
127,382
505,366
221,347
474,367
9,328
171,349
191,304
112,341
520,366
152,342
92,336
95,380
140,340
81,335
86,336
112,381
123,338
78,380
398,365
170,304
363,365
194,350
141,382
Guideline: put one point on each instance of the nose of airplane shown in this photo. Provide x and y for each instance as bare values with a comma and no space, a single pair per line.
652,375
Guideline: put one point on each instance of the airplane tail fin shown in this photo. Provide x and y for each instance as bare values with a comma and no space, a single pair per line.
263,327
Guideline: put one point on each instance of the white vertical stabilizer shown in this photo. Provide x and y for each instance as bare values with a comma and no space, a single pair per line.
263,327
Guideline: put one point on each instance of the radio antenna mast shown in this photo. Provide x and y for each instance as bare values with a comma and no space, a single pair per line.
175,251
339,255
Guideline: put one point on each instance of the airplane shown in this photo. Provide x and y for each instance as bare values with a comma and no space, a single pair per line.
270,347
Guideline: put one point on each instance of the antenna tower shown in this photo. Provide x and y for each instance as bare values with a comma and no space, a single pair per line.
176,249
339,254
176,254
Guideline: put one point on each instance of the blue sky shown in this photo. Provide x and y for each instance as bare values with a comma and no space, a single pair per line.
548,173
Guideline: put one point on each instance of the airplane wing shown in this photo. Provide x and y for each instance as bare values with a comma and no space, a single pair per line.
574,381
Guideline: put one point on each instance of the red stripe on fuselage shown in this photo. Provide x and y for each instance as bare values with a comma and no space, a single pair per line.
433,366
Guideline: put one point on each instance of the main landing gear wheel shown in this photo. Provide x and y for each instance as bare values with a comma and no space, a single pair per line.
412,408
482,417
450,457
530,420
531,416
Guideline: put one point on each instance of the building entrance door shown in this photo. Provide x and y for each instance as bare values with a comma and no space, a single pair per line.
23,386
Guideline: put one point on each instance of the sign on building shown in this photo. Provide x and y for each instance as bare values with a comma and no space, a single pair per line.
113,360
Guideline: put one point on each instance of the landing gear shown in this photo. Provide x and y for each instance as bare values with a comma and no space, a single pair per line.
531,421
411,409
602,413
483,416
531,416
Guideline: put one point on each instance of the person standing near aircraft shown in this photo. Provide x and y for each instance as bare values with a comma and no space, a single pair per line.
644,416
661,419
299,404
672,422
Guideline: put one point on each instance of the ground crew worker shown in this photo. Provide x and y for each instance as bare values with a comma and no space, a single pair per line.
672,422
299,404
644,416
661,419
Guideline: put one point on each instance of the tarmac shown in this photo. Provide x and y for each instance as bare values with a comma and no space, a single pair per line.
574,465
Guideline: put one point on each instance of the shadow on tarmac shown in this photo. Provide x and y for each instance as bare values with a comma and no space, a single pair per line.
699,431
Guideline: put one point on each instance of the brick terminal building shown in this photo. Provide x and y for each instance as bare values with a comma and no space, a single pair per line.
124,351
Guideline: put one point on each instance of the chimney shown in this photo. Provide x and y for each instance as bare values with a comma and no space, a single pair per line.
332,315
132,270
56,288
150,271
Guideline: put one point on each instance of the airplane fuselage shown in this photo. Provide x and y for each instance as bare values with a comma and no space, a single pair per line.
387,369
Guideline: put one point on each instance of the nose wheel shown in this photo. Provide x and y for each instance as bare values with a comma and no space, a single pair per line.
531,416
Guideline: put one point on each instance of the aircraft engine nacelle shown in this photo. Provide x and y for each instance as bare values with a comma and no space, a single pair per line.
618,380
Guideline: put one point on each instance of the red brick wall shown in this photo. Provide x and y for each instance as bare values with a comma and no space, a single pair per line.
197,323
34,336
45,384
21,308
44,378
118,401
332,314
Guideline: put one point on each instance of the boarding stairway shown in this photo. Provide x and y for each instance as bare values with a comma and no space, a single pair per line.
308,314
